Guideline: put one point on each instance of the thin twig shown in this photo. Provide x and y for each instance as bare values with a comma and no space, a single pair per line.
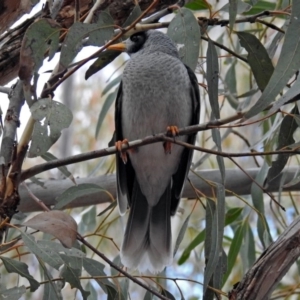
260,186
36,199
113,265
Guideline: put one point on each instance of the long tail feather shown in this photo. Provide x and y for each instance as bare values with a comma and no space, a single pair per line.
147,240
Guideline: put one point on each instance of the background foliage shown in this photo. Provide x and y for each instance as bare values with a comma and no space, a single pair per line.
246,57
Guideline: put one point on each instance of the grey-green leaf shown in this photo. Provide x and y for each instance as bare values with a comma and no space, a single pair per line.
258,202
285,138
75,192
46,254
288,64
38,37
258,58
104,58
212,74
184,31
99,33
233,9
64,170
14,293
51,118
136,12
110,99
71,275
181,234
234,249
95,268
15,266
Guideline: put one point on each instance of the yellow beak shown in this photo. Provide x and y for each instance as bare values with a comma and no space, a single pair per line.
119,47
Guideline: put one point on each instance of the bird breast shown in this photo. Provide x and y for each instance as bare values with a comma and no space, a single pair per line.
156,94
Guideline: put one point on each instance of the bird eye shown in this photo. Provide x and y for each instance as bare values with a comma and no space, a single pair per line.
135,38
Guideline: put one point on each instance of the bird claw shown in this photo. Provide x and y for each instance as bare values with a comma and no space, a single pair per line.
172,131
123,153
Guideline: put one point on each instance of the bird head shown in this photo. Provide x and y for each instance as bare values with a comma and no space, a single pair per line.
144,42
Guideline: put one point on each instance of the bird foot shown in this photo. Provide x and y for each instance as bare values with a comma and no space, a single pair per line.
172,131
123,153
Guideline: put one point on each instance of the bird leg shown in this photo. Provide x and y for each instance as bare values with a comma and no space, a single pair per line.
123,153
172,131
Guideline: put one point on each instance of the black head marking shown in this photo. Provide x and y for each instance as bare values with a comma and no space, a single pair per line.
137,41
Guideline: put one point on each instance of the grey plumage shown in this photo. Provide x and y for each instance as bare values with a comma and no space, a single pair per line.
157,91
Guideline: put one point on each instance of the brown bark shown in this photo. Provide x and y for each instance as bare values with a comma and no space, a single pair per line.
273,264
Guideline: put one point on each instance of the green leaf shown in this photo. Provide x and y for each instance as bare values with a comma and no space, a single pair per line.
291,93
235,248
64,170
46,254
98,34
36,41
259,6
105,107
148,296
233,9
241,7
51,118
193,244
52,289
232,214
167,294
95,268
135,13
14,293
198,5
181,234
230,79
109,207
104,58
14,266
213,79
71,275
214,235
258,202
75,192
285,138
288,64
184,31
112,84
258,58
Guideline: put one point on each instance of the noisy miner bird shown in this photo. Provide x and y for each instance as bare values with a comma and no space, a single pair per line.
157,92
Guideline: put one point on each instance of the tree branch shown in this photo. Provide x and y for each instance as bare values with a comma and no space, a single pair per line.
272,265
237,182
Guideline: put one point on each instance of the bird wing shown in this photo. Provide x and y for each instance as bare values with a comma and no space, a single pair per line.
186,156
125,172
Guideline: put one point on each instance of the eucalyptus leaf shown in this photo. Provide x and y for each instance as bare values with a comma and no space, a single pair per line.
184,31
285,138
51,118
287,65
15,266
99,33
14,293
258,58
110,99
75,192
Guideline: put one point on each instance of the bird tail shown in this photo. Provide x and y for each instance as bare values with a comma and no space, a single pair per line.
147,240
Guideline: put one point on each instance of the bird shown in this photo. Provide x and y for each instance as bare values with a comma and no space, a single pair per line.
157,92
